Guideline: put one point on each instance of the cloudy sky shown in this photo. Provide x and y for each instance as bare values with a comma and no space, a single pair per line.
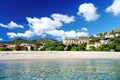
32,19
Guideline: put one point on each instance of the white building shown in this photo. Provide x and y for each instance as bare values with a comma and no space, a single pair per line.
97,36
11,45
28,46
95,45
109,36
117,35
104,41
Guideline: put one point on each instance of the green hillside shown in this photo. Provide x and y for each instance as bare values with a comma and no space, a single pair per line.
37,41
117,30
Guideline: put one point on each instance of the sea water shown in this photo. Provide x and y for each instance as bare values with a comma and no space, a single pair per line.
69,69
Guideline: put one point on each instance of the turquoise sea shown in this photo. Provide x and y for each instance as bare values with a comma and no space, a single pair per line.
70,69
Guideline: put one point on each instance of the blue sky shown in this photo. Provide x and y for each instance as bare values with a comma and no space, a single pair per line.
32,19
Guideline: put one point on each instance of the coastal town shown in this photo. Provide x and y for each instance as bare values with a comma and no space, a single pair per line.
107,41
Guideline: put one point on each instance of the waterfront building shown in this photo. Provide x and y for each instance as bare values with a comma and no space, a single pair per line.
67,41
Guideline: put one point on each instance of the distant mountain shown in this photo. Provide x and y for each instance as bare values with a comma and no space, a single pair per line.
37,41
45,40
18,41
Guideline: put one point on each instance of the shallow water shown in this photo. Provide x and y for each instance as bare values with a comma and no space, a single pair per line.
72,69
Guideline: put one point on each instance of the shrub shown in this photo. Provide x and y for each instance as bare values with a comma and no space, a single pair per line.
5,49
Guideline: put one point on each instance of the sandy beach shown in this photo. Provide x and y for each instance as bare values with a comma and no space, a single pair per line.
26,55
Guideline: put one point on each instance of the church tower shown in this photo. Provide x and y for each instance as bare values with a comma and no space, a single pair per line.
65,39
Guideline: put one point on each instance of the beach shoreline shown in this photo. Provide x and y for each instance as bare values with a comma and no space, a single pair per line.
35,55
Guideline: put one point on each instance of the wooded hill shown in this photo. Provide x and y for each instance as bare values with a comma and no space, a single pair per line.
37,41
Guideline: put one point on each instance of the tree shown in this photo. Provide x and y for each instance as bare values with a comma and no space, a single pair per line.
24,48
111,46
116,40
82,47
105,47
92,48
74,48
5,49
17,48
112,32
99,48
93,40
68,47
35,49
117,48
52,48
60,48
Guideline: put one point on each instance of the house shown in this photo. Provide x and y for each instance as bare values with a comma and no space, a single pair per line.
11,45
117,35
93,44
28,46
97,36
109,36
104,41
67,41
3,45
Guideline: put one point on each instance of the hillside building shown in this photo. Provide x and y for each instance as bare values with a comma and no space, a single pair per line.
104,41
67,41
94,44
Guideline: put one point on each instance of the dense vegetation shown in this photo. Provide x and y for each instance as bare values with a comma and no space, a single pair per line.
113,45
5,49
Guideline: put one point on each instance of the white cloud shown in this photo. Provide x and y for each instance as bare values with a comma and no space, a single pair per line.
27,34
88,11
84,29
63,18
1,39
114,8
74,34
70,34
44,25
39,26
49,26
11,34
11,25
57,33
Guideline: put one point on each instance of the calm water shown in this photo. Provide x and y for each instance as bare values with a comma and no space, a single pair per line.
60,70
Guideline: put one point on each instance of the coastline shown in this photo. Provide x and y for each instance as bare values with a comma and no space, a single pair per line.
35,55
